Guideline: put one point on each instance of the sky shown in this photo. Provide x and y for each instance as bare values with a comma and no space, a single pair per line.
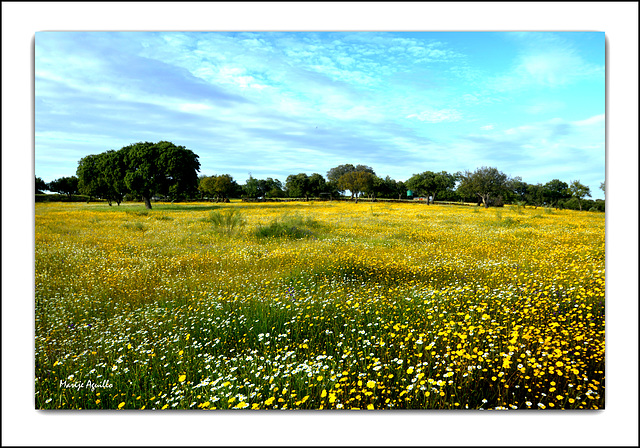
272,104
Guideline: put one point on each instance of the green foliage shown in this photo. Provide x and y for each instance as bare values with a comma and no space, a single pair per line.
40,186
293,227
356,182
162,168
554,191
137,226
64,185
431,184
139,170
226,221
220,187
579,191
298,186
486,183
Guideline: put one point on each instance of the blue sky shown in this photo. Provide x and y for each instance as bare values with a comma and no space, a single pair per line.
531,104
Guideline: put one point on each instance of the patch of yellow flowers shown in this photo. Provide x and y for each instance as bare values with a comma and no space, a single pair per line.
380,306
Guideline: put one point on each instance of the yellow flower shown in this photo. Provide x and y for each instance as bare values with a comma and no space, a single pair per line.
180,352
269,401
369,406
371,384
165,406
182,378
55,363
121,405
410,370
324,393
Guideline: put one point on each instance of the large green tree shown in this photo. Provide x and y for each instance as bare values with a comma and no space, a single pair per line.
220,187
430,183
334,175
298,186
485,183
356,182
273,188
554,191
160,168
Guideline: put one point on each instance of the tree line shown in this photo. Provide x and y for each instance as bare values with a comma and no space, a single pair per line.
146,171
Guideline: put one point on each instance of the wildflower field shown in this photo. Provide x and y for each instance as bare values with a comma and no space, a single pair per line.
318,305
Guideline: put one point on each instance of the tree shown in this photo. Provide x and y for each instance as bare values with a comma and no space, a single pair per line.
298,186
317,184
486,183
252,188
112,169
273,188
220,187
430,183
535,195
602,187
579,191
518,189
40,186
160,168
65,185
554,191
334,174
356,182
90,180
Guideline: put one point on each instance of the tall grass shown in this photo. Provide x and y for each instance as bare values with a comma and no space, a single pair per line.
227,221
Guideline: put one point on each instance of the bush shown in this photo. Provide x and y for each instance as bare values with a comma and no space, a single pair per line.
226,221
295,227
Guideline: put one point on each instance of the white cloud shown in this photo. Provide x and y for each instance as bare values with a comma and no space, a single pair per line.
595,120
437,116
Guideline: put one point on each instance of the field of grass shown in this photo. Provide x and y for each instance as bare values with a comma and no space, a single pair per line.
318,305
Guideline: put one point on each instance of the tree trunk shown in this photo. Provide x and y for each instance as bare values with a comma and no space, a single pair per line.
147,202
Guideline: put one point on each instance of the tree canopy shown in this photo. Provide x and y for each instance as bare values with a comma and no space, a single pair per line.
486,183
64,185
430,184
142,169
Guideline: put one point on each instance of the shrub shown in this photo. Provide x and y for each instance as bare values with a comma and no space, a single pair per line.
226,221
295,227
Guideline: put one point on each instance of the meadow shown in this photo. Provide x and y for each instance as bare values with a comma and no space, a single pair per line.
318,305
